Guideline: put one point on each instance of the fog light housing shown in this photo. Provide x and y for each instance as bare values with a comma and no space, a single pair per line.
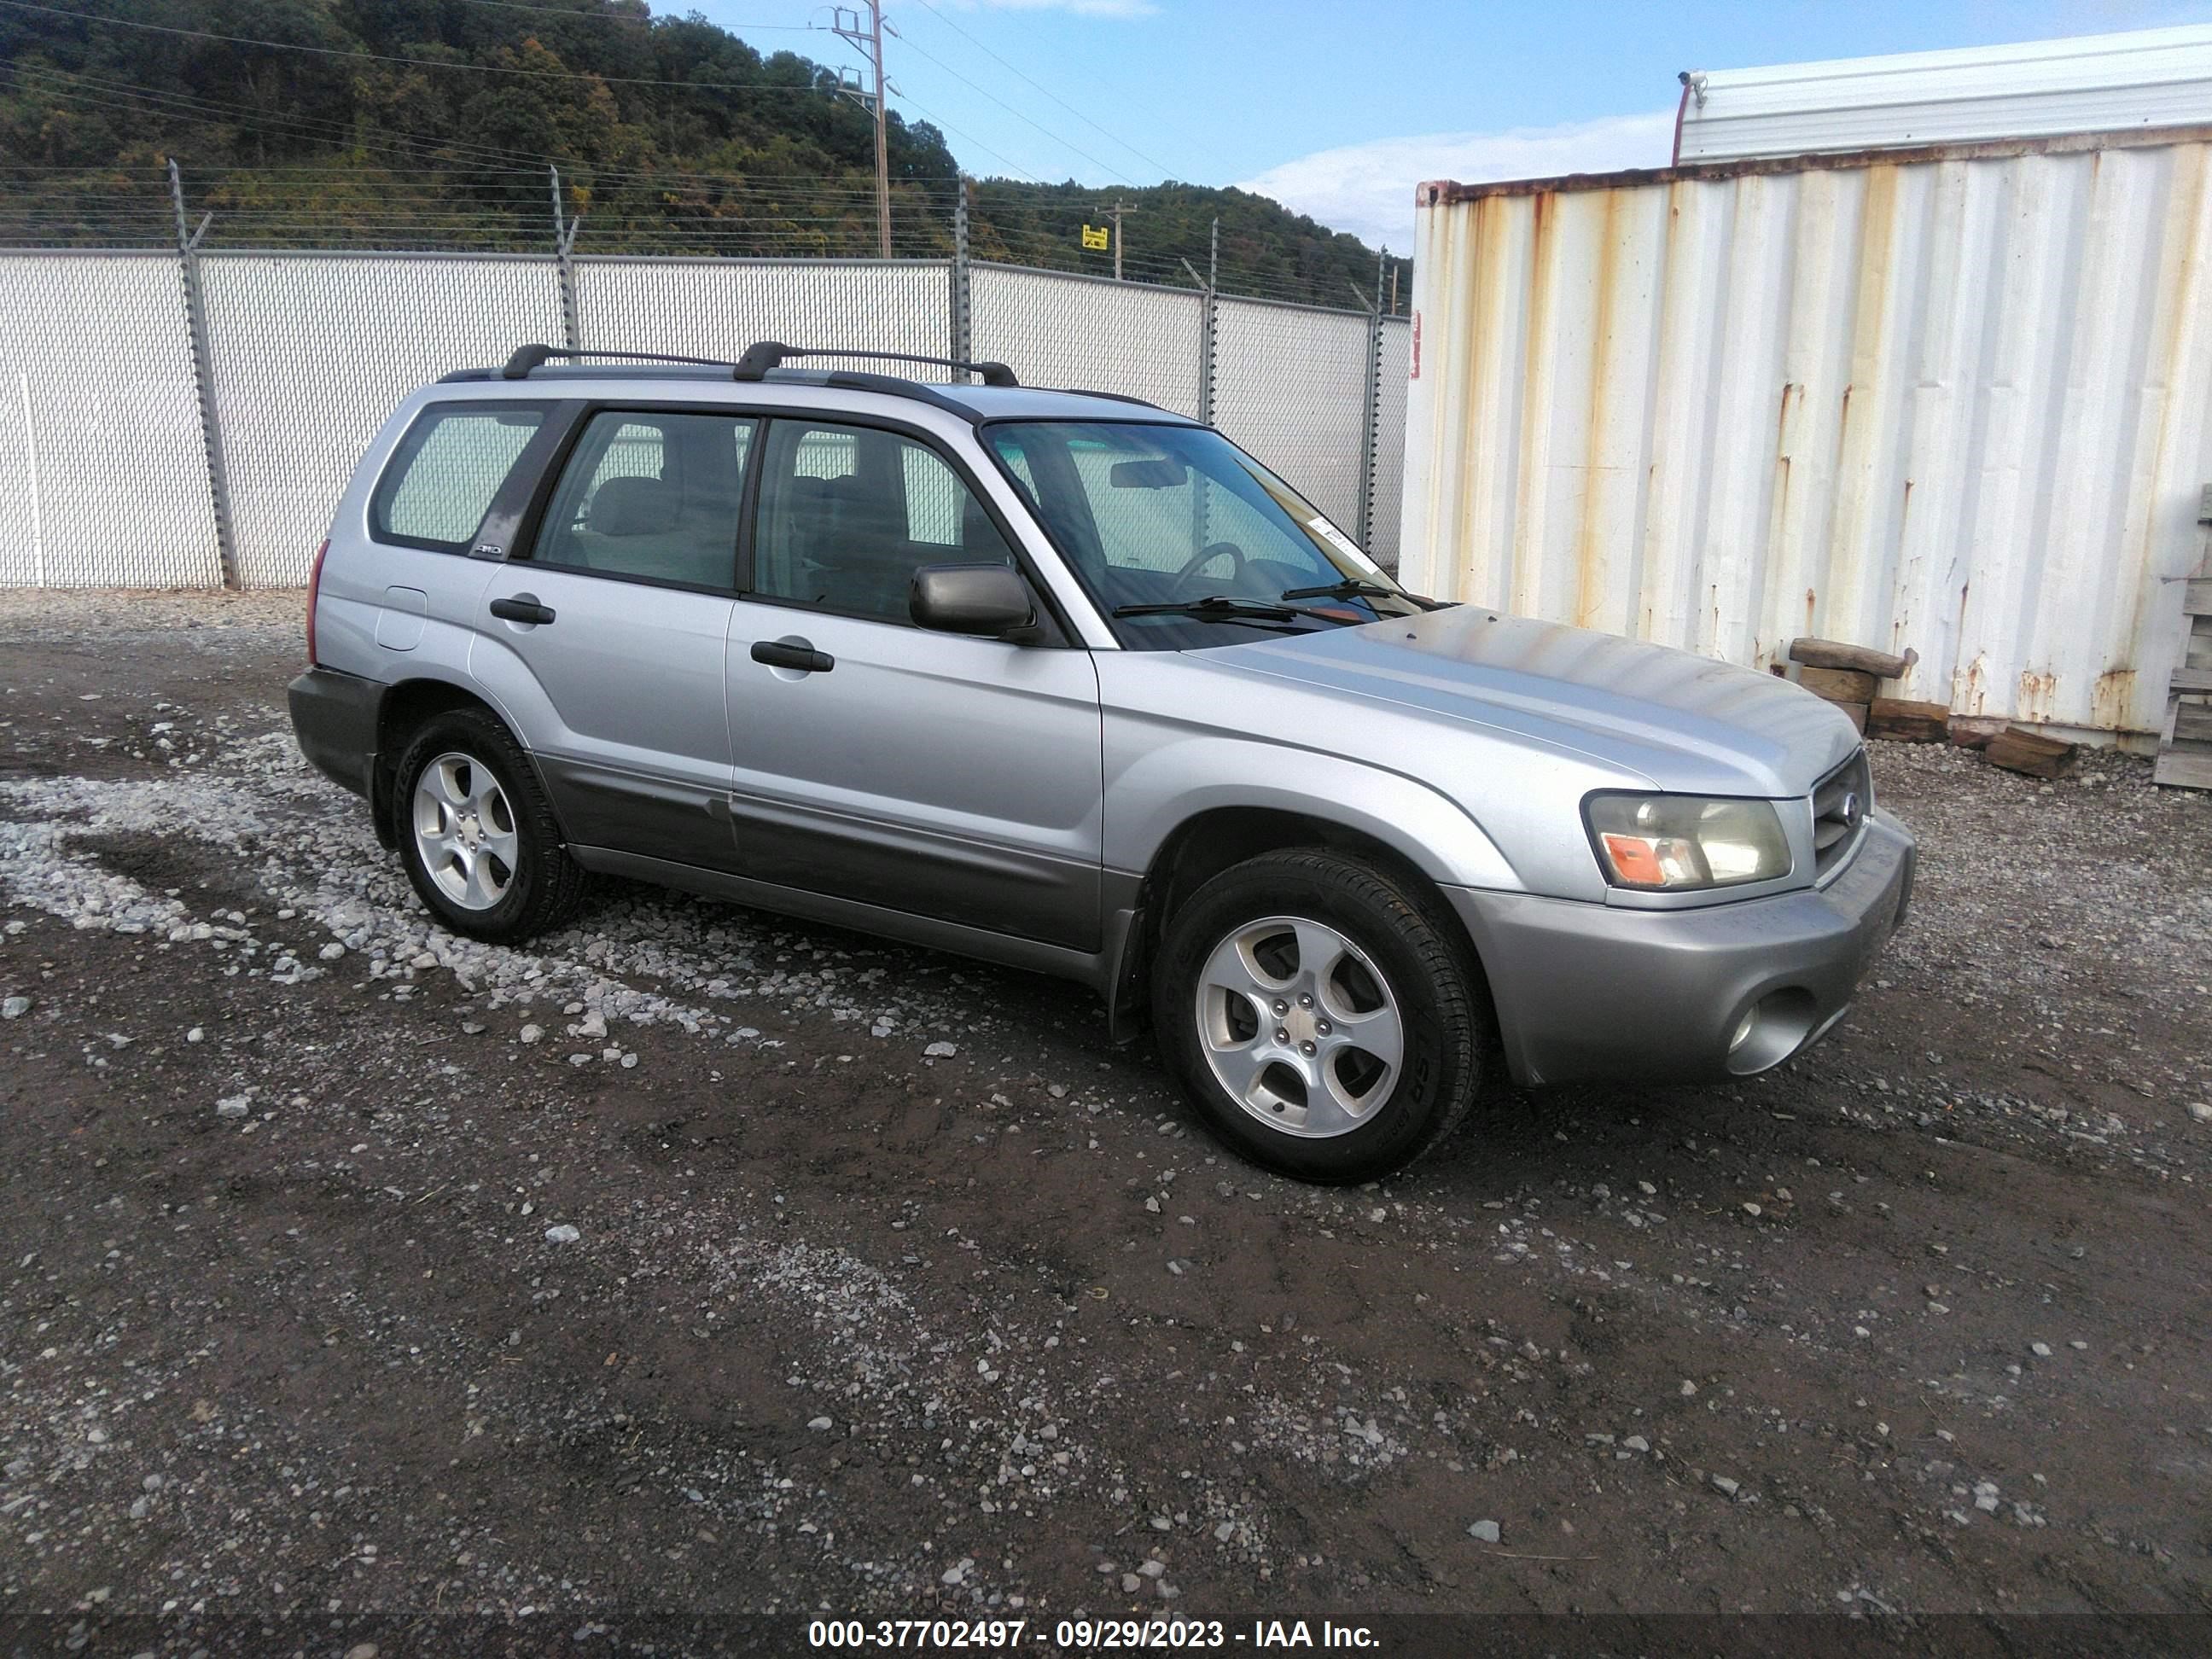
1771,1030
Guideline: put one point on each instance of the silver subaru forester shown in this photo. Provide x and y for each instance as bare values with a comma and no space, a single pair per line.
1069,681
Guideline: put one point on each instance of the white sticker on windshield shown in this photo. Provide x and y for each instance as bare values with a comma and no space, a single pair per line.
1342,543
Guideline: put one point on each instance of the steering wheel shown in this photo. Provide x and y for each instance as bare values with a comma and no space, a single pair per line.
1207,555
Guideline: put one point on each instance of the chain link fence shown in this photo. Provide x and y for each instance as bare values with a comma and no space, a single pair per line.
111,476
103,466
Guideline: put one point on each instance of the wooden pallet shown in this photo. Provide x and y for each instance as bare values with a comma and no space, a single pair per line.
2184,749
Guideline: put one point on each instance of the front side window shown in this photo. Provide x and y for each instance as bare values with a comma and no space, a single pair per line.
848,513
446,472
651,495
1183,538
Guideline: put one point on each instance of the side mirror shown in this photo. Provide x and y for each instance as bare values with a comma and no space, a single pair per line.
989,599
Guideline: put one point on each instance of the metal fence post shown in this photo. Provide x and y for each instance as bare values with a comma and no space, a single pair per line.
564,267
1372,428
962,315
1205,325
188,245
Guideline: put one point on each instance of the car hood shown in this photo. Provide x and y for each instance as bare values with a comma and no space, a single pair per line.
1678,721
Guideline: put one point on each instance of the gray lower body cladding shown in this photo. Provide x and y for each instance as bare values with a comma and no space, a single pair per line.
1590,991
335,717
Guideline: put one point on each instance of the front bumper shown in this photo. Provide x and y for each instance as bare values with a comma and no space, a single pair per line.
1587,991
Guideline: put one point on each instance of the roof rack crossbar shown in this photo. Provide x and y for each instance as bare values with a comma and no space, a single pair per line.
766,355
528,357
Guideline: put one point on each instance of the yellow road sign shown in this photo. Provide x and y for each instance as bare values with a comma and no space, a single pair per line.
1098,236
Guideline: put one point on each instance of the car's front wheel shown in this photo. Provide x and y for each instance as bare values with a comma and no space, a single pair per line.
1323,1018
477,836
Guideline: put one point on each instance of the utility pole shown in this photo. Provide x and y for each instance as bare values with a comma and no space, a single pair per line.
867,39
1116,210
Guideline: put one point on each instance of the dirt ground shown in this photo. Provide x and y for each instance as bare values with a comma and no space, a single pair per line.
704,1261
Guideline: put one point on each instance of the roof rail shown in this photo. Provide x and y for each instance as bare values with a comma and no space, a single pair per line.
528,357
766,355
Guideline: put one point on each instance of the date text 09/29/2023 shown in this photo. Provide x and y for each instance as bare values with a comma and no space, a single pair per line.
1085,1635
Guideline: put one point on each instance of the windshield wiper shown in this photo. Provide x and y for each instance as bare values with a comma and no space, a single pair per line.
1215,607
1359,587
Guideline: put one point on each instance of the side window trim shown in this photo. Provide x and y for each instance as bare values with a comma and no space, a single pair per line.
1057,631
530,508
519,475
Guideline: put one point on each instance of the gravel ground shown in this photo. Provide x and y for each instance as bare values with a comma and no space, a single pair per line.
702,1262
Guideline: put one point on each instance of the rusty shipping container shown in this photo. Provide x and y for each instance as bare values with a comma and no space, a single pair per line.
1957,398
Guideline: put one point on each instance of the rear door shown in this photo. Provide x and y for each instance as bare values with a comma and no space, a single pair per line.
607,638
929,772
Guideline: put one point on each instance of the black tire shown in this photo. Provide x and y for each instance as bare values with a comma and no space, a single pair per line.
544,885
1430,975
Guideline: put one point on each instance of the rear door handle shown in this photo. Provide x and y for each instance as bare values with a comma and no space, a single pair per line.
793,652
522,608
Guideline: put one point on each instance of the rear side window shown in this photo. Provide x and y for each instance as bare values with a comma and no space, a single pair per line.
446,472
655,496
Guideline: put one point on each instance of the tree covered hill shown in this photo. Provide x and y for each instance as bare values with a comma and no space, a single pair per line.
431,123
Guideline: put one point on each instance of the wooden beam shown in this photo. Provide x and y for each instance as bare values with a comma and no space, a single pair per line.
1905,721
1834,653
2018,749
1838,685
2186,767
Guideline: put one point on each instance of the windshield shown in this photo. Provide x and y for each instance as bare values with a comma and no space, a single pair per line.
1184,539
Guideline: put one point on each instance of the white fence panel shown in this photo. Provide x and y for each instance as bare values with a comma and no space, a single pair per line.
1058,330
103,469
311,352
1291,387
103,472
717,307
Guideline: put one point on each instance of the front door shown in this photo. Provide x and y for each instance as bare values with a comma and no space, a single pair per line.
929,772
612,633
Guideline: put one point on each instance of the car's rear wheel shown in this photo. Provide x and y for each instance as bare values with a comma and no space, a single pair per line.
476,834
1326,1022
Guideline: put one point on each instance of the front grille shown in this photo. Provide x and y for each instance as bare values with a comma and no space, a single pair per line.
1841,802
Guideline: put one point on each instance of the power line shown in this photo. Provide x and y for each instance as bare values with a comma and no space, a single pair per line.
1016,114
1165,172
418,62
939,121
334,133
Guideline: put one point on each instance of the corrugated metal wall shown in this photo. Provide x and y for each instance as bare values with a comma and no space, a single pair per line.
1962,405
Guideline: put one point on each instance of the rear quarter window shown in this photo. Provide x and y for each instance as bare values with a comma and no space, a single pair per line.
446,472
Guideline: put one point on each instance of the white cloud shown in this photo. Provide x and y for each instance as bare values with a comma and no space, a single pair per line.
1368,188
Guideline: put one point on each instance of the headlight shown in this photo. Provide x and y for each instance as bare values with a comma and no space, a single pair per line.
1655,842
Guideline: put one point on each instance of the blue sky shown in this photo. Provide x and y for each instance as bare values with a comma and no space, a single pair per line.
1339,109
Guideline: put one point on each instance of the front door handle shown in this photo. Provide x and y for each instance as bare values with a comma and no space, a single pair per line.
522,608
792,652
